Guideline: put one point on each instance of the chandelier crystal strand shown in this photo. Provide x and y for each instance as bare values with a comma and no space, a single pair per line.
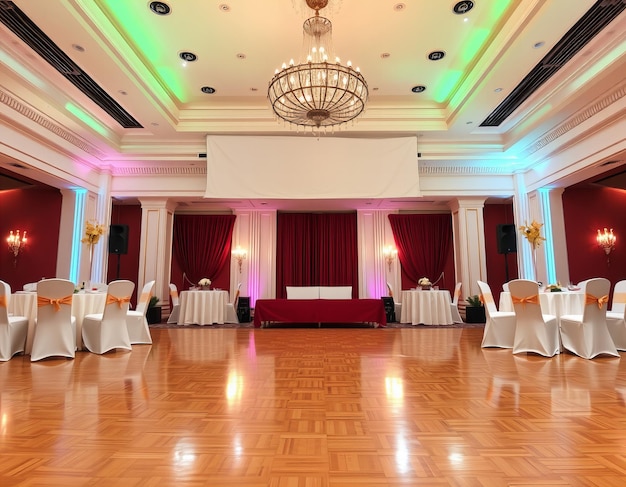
319,92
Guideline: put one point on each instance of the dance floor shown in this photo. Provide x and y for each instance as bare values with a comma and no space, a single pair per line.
308,407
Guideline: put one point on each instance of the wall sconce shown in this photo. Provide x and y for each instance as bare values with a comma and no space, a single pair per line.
239,254
390,254
16,242
606,240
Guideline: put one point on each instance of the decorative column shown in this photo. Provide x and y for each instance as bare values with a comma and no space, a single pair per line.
155,249
374,234
468,229
255,231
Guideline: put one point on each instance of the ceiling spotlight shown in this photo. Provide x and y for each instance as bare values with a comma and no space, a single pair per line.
436,55
188,57
208,90
160,8
463,7
418,89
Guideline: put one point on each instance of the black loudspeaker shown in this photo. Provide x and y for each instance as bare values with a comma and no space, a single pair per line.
118,239
507,242
390,308
243,309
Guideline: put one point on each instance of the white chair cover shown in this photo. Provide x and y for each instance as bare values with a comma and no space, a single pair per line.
108,330
13,329
534,331
500,325
173,318
616,318
231,308
454,305
55,327
587,335
138,329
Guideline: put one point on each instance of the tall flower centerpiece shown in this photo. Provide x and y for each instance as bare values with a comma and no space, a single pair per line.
93,232
532,233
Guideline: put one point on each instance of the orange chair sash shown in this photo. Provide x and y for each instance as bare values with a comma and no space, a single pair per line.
591,299
144,298
3,301
486,298
534,299
57,302
173,293
120,301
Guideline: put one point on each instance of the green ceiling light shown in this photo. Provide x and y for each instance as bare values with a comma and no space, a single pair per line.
447,85
142,37
87,119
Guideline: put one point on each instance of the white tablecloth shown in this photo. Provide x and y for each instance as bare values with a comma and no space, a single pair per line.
557,304
83,303
202,307
426,307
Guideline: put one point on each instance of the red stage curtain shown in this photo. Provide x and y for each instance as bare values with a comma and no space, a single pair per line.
316,249
202,244
423,242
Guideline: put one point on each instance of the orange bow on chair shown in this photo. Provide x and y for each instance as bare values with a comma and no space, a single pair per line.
42,301
3,301
119,301
590,299
529,299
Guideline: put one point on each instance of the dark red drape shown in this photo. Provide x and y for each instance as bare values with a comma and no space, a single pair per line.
316,249
423,242
202,244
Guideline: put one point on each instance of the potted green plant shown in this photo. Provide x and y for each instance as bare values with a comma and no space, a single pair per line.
153,313
475,310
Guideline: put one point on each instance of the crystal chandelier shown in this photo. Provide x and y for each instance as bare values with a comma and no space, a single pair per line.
318,93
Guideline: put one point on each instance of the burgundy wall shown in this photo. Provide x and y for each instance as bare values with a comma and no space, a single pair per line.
494,215
587,209
38,211
129,263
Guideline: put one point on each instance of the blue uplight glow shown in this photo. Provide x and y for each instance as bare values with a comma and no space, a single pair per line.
544,194
79,208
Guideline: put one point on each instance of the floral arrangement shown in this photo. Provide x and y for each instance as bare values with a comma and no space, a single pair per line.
532,233
93,232
424,281
554,288
204,282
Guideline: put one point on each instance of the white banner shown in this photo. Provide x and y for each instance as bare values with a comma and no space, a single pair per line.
311,168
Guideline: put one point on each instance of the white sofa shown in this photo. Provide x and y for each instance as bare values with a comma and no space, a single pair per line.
319,292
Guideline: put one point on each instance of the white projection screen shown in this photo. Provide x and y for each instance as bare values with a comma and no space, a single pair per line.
311,167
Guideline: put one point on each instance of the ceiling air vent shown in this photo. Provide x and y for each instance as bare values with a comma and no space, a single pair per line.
25,29
596,19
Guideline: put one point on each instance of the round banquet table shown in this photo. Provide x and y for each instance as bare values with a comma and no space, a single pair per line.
426,307
202,307
556,304
83,303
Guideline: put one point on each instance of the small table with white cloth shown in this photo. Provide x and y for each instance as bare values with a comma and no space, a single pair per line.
202,307
421,307
556,304
83,303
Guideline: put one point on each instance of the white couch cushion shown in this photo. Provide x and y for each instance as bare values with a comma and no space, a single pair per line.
335,292
303,292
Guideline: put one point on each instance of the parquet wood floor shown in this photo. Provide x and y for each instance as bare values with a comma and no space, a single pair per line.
313,408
